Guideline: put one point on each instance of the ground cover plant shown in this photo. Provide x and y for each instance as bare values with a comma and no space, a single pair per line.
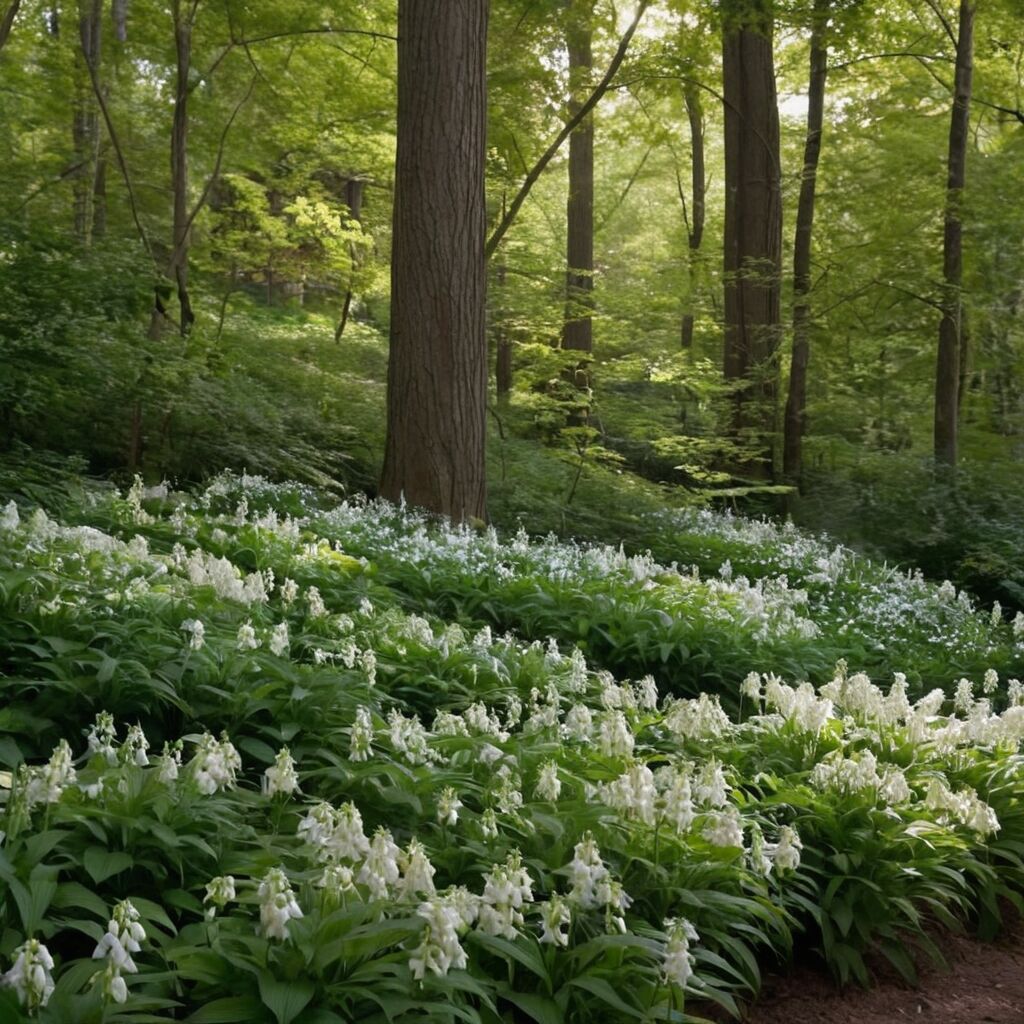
259,770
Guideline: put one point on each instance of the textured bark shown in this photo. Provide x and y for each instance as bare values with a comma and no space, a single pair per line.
503,343
577,331
947,372
178,268
119,15
795,420
753,223
85,119
698,193
437,369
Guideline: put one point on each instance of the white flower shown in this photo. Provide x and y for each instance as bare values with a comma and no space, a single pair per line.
417,872
555,914
724,828
757,856
677,965
710,787
281,776
277,905
963,699
489,824
361,744
215,765
997,614
615,737
9,520
549,786
197,633
440,949
1018,625
633,793
30,976
751,686
579,723
506,888
133,750
289,591
646,691
380,869
315,604
219,891
170,762
785,853
279,641
991,681
587,874
124,936
676,800
947,592
246,639
45,784
101,737
448,804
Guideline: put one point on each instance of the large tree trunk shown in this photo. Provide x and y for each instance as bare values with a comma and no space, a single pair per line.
437,370
577,332
7,21
792,448
947,373
753,225
178,268
698,191
85,121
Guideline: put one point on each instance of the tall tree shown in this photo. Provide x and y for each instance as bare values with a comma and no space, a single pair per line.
577,332
85,118
698,190
753,222
437,368
948,366
792,446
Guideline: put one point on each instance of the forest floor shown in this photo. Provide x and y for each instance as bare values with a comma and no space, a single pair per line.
983,985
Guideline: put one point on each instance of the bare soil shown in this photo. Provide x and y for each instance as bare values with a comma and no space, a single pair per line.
984,985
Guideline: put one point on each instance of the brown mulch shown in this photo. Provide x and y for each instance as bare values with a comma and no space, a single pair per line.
984,985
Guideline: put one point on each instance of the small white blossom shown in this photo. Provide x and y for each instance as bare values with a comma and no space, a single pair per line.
30,977
281,776
278,905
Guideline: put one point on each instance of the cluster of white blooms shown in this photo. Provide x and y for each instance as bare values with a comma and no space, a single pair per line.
9,520
593,887
281,776
506,888
579,723
215,764
847,775
219,892
448,915
315,604
785,853
247,639
410,739
417,877
697,720
45,784
615,738
724,828
799,705
278,905
380,869
361,742
555,914
965,807
133,749
101,737
675,797
288,592
633,793
549,785
206,570
197,633
507,791
169,762
279,640
123,937
448,805
677,964
710,787
31,976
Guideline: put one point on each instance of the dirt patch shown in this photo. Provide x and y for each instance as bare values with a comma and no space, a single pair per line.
984,985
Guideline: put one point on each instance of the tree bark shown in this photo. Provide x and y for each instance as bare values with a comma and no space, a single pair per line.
795,419
503,343
119,15
437,369
947,372
698,193
7,21
577,331
85,121
753,225
178,268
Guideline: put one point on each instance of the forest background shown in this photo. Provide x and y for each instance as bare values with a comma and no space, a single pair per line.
195,242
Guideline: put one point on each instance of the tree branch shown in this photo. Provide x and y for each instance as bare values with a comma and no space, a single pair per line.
8,21
570,127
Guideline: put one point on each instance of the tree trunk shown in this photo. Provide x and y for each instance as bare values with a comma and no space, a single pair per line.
119,15
354,201
437,370
7,21
698,192
503,343
577,332
178,268
753,225
85,122
795,421
947,373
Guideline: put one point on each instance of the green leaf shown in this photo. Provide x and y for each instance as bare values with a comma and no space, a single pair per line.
285,999
103,864
232,1010
604,991
538,1008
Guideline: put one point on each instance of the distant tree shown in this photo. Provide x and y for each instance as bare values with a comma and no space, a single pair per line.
437,370
951,334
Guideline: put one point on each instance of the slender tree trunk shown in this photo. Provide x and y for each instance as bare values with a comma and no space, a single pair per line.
119,15
753,225
795,421
7,21
178,268
354,201
437,370
577,331
85,126
698,191
947,373
503,343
